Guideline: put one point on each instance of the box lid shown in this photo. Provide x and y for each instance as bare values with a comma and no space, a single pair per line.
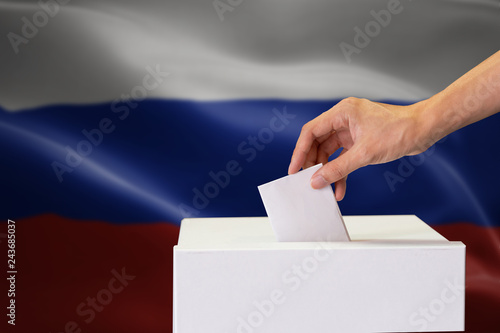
256,233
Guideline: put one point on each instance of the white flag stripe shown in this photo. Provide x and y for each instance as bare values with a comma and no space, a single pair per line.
95,51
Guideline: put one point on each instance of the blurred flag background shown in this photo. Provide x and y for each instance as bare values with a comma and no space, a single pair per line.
120,118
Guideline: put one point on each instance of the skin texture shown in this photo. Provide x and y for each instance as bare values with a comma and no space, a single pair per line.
374,133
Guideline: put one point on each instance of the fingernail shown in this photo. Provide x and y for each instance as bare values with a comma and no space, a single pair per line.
318,182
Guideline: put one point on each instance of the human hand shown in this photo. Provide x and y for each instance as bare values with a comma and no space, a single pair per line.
368,132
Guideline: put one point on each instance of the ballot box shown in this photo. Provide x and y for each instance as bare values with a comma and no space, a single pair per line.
395,275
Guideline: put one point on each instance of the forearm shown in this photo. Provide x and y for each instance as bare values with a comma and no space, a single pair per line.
474,96
372,133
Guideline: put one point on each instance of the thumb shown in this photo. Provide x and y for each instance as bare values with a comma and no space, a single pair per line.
335,170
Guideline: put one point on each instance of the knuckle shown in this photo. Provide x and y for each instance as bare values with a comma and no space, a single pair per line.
306,128
363,154
349,101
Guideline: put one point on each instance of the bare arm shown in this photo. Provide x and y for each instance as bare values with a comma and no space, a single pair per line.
373,133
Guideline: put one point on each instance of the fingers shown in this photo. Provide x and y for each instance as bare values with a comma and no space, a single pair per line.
321,149
305,150
298,159
313,134
312,156
316,153
341,185
336,170
340,189
327,148
318,180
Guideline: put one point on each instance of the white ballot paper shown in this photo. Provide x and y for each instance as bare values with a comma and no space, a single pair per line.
299,213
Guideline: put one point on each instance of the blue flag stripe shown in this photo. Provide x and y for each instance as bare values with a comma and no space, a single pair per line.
162,160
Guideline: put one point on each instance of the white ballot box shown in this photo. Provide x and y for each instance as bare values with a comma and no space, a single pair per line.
395,275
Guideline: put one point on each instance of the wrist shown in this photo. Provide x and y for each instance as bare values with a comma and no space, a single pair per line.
428,127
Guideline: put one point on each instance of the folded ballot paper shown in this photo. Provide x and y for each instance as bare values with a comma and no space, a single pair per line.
299,213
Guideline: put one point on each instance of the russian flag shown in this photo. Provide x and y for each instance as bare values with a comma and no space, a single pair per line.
120,118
